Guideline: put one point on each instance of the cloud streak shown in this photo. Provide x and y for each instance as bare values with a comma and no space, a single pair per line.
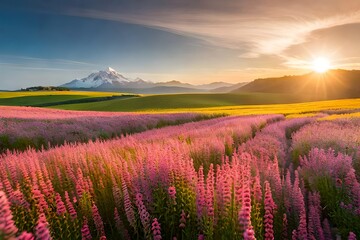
263,30
19,66
33,60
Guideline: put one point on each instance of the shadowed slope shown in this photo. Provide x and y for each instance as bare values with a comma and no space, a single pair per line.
334,84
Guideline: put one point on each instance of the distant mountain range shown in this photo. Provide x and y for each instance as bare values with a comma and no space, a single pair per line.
111,80
229,88
333,84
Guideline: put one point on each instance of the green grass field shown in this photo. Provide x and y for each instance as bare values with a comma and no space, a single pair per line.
49,97
182,101
239,104
290,109
242,104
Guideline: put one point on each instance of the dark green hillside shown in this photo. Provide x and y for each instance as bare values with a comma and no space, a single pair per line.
334,84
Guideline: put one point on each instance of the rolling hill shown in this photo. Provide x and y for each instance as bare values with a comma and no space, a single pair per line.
178,101
50,98
228,89
334,84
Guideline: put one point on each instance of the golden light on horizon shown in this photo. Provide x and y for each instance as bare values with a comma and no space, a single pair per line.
321,65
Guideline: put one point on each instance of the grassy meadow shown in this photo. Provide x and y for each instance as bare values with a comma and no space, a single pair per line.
183,101
232,104
37,98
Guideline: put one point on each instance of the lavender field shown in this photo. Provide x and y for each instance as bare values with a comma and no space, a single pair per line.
24,127
235,177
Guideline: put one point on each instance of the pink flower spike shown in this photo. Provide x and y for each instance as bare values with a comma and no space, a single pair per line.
85,231
200,194
245,211
97,220
60,206
7,225
285,227
70,206
249,234
156,230
42,231
25,236
315,229
129,211
144,214
257,189
352,236
327,229
18,198
182,220
269,213
40,199
209,196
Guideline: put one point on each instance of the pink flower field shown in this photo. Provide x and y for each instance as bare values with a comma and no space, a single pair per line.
23,127
232,177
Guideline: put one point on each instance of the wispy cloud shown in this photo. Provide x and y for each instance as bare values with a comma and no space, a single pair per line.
19,66
36,64
34,60
263,30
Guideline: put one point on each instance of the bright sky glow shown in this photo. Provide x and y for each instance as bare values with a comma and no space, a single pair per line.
321,65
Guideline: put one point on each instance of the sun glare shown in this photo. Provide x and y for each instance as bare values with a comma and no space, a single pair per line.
321,65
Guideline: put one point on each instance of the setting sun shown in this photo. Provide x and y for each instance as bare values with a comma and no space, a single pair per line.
321,65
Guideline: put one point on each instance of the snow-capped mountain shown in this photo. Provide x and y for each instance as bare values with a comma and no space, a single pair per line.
102,79
110,79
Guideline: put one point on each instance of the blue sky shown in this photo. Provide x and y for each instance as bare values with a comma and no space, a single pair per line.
53,42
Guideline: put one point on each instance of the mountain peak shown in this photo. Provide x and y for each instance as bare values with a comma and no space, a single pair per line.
174,81
109,69
109,78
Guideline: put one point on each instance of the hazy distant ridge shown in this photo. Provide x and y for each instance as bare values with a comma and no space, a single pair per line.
109,80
